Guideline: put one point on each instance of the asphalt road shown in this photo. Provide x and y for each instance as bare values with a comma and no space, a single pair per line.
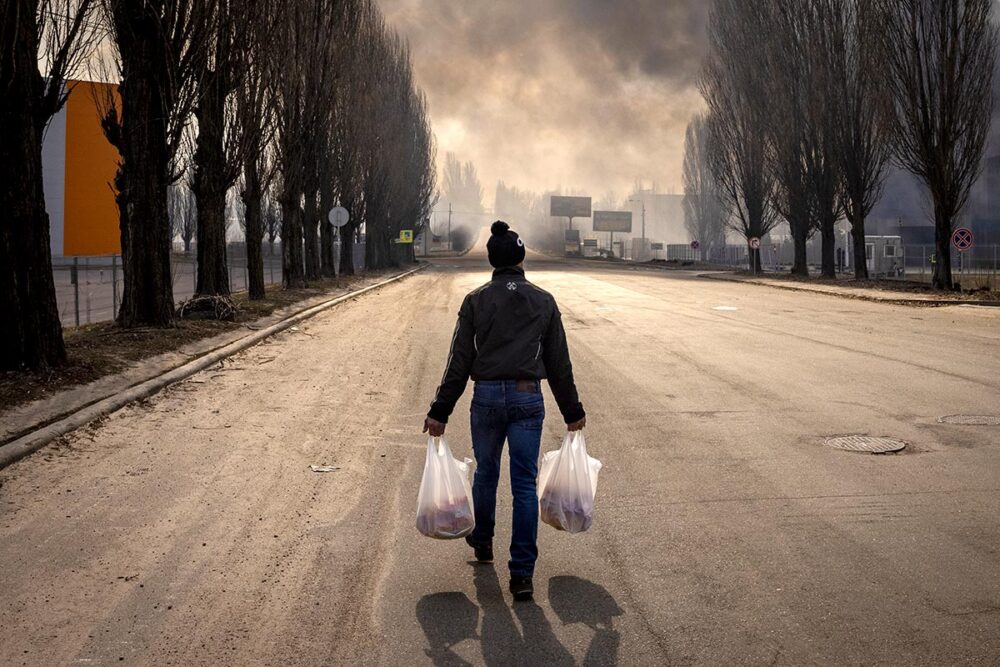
189,529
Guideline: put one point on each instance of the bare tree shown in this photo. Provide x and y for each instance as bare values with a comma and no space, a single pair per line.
733,84
704,218
461,184
940,57
862,115
822,156
255,106
183,212
58,34
802,126
303,78
223,141
272,221
160,46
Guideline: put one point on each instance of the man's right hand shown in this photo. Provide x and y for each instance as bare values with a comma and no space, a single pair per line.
434,427
576,426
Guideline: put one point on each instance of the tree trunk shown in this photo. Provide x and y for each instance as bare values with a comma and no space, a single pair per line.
292,267
30,330
858,241
376,248
147,298
310,228
253,204
828,237
800,261
347,249
754,260
209,188
326,233
942,250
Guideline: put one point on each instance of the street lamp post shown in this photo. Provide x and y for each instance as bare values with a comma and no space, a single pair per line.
642,242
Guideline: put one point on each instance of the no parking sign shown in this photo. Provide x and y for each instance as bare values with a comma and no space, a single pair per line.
963,239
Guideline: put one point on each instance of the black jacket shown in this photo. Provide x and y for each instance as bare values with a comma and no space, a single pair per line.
508,329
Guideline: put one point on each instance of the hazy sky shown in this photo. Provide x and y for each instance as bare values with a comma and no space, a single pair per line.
587,95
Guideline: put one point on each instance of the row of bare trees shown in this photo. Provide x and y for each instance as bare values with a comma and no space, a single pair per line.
296,105
809,101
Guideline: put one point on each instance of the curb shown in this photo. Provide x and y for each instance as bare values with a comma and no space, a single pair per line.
27,444
897,301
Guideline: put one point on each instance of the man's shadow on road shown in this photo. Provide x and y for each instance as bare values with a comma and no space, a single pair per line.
450,618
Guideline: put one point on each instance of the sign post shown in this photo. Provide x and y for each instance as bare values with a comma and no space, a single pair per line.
611,222
338,217
754,244
570,207
963,240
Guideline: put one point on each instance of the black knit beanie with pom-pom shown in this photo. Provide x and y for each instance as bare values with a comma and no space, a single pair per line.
505,247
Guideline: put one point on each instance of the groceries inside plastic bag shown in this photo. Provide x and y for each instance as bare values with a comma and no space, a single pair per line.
567,485
444,504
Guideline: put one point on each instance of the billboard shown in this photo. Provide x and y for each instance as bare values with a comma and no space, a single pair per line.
613,221
78,168
570,207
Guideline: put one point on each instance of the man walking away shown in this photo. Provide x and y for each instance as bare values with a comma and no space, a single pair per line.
508,338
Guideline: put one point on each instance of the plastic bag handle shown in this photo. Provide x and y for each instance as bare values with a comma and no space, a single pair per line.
434,443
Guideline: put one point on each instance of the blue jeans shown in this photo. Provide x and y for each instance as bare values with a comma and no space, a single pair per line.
501,412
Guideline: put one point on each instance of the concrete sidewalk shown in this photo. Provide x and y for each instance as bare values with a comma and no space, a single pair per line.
898,297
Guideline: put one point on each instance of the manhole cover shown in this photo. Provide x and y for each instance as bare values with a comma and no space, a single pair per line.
865,443
971,420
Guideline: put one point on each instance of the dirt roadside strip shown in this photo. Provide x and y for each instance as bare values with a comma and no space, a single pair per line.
851,293
19,447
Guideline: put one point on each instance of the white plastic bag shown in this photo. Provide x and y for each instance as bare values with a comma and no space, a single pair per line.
444,504
567,485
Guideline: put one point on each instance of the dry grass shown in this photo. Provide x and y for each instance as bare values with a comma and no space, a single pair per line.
97,350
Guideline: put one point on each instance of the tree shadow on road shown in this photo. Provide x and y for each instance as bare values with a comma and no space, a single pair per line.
518,634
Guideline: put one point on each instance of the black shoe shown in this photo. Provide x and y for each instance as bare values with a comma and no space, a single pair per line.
521,588
484,552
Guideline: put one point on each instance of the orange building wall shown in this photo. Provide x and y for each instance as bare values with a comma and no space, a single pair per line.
91,214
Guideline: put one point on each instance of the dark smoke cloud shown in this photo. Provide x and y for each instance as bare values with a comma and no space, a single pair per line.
589,95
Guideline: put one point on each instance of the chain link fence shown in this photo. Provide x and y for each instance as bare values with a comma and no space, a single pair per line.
977,267
89,289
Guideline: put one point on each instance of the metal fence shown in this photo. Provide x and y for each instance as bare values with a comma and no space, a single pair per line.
977,267
88,289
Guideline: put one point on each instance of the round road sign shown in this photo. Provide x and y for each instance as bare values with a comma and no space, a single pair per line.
339,216
963,239
755,243
695,245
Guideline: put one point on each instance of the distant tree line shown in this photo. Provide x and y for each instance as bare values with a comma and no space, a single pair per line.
294,106
809,101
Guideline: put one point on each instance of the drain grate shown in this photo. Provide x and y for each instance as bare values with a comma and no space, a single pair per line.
865,443
971,420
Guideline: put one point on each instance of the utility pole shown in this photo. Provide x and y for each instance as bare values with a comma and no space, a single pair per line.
449,226
642,242
643,224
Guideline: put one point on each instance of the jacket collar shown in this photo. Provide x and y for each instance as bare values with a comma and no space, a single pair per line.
508,273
